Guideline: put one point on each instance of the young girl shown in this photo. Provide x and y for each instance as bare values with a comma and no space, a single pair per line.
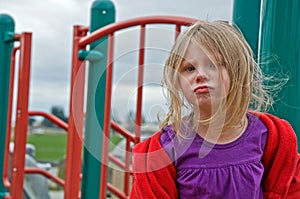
210,144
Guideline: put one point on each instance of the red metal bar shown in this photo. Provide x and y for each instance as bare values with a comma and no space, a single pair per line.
120,163
138,117
82,30
122,131
127,168
106,123
75,122
31,170
50,117
17,37
9,117
20,136
117,161
177,30
111,28
123,165
116,191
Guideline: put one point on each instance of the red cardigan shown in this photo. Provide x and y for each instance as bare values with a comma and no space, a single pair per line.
155,175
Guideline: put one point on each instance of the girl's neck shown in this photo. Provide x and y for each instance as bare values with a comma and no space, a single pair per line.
218,134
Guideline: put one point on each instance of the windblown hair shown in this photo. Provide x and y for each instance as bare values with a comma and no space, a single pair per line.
223,44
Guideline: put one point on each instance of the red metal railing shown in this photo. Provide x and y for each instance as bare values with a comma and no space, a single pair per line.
51,118
15,185
18,157
109,31
6,181
75,131
75,127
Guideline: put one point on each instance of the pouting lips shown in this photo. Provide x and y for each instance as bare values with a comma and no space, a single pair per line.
201,89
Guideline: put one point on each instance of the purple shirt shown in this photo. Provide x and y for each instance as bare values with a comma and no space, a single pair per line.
206,170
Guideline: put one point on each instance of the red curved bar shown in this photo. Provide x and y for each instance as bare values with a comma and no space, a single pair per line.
117,161
50,117
122,131
6,181
116,191
31,170
111,28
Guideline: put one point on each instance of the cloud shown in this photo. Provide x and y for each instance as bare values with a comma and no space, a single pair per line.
153,102
46,96
51,23
158,43
202,9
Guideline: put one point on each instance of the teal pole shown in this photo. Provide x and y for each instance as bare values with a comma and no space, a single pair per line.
102,13
246,15
280,37
7,27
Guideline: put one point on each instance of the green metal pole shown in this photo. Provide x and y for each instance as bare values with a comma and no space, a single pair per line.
7,27
246,15
280,36
102,13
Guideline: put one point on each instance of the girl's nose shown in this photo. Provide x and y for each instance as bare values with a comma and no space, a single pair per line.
200,76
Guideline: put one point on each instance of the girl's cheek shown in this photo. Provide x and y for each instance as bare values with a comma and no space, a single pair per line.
226,81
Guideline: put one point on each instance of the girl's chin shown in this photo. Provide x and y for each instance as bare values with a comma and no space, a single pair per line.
206,105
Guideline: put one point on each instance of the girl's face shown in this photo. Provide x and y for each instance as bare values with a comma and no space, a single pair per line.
202,83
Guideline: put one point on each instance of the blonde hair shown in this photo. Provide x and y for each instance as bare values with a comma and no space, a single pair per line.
223,44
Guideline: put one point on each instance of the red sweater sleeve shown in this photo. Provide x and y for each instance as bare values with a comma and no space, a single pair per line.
281,160
294,190
154,172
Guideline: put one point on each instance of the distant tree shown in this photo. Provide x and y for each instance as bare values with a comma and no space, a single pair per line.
31,121
59,112
47,123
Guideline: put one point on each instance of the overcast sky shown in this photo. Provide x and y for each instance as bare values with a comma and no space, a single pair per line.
51,23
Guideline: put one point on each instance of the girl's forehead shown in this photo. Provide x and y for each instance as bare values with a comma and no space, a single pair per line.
196,52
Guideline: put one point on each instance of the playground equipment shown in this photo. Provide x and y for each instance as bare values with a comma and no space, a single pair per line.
88,133
272,29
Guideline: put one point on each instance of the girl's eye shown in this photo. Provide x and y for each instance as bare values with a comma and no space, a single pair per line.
189,68
212,66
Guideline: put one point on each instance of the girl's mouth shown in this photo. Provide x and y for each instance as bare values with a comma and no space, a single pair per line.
201,89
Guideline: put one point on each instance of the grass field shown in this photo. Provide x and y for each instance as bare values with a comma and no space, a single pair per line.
52,146
49,146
